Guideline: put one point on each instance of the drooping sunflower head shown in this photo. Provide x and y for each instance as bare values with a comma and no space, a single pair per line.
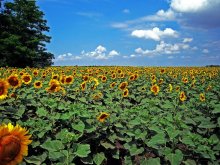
3,89
102,117
14,143
14,81
155,89
37,84
26,79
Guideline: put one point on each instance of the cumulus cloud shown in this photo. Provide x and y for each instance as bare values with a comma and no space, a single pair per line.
205,51
163,48
188,6
198,13
154,34
113,53
186,40
100,53
67,56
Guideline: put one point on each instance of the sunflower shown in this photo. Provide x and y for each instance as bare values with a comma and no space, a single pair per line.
35,72
69,79
62,79
54,86
177,88
55,76
37,84
112,85
104,78
26,79
83,85
162,71
103,116
132,77
182,96
113,76
160,81
123,85
202,97
3,89
170,87
125,93
13,81
155,89
14,143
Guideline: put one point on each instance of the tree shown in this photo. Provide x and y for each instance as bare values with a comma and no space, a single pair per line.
22,38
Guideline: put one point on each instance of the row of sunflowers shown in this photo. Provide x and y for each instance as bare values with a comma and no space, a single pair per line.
98,115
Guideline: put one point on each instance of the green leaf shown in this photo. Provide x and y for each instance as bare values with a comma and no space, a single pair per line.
37,160
82,150
41,112
175,159
107,145
99,158
54,145
79,127
189,162
157,140
216,109
151,161
55,155
219,121
172,133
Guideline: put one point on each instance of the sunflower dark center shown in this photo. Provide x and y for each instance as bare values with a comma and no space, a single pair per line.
26,78
13,81
103,116
2,89
9,148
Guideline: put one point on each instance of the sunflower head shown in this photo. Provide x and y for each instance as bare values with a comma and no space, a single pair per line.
26,79
14,143
202,97
182,96
37,84
155,89
69,79
3,89
125,93
14,81
123,85
101,118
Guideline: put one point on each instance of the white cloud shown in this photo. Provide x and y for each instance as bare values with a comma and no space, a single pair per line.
67,56
163,48
188,6
126,11
205,51
113,53
100,53
197,13
185,40
155,34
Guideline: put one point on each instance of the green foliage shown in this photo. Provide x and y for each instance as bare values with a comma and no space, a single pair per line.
22,38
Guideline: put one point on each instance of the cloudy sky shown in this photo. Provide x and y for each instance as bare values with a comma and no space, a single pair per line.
133,32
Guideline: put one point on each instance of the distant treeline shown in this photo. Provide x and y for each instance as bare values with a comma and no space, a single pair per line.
212,65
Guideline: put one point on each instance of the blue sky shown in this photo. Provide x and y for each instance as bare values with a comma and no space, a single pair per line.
131,32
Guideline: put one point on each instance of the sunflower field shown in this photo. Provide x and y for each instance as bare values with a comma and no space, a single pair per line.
110,115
